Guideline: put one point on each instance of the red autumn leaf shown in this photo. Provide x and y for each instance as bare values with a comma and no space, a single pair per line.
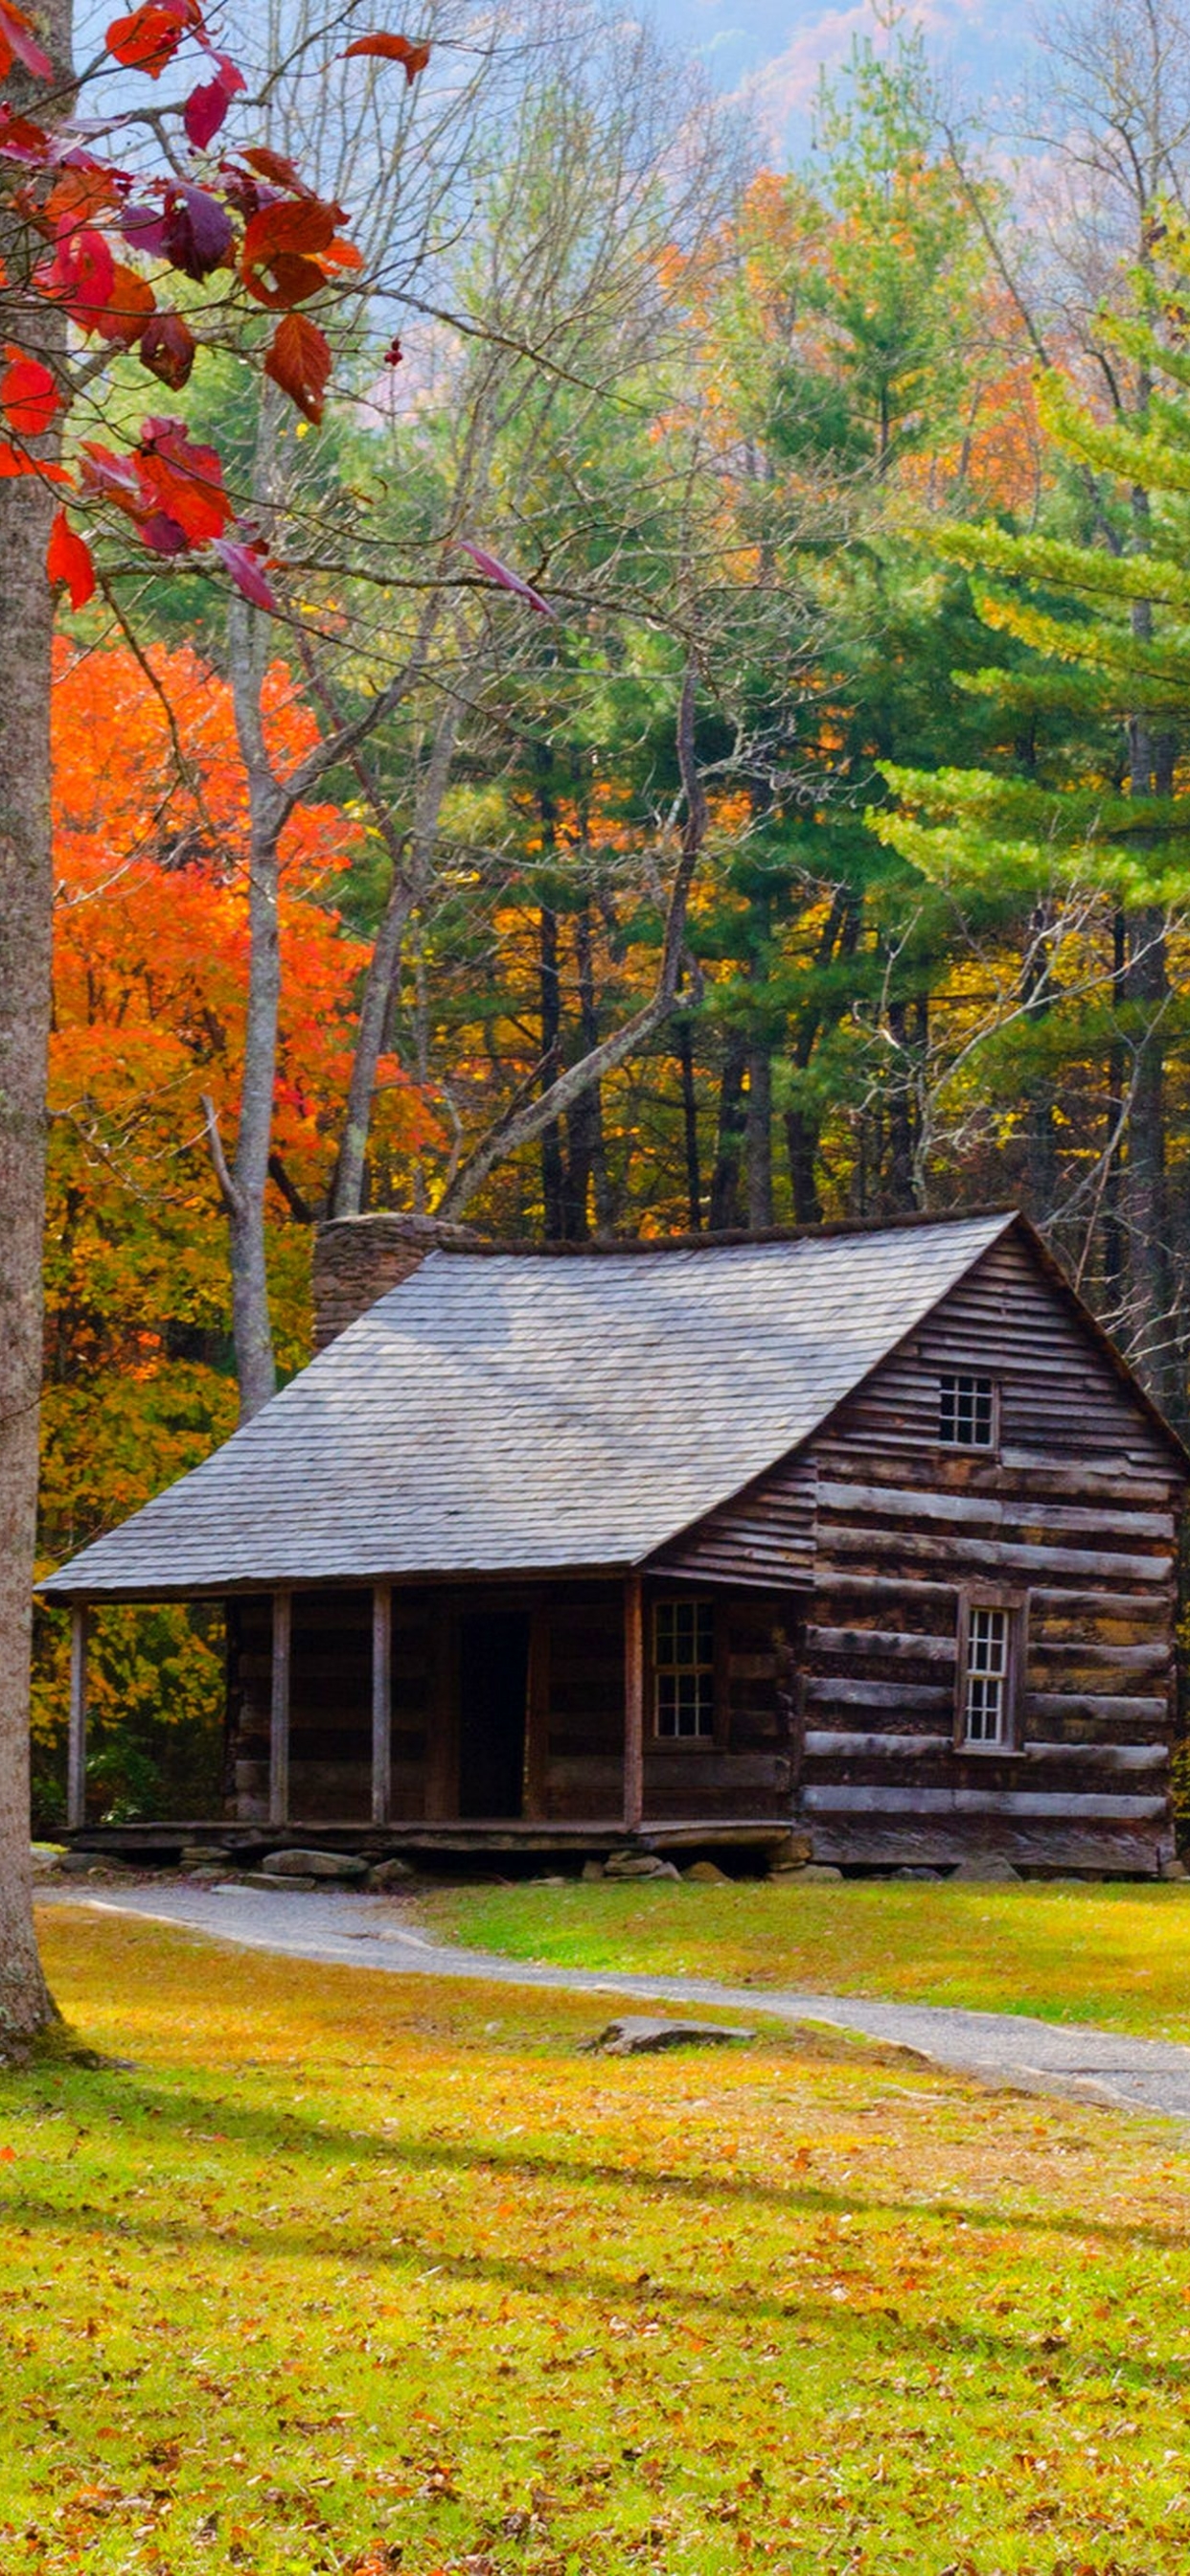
274,166
130,306
14,462
113,478
198,233
499,572
8,2155
68,559
342,253
183,480
28,394
391,49
17,43
148,39
168,348
21,140
243,561
204,112
307,228
80,275
299,360
294,282
163,535
78,196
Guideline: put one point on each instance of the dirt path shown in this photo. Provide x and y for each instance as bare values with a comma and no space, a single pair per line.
359,1931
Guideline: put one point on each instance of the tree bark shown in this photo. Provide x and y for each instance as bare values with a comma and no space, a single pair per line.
550,991
26,917
409,880
729,1138
685,1047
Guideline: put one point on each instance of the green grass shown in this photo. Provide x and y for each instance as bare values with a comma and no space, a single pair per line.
346,2274
1119,1955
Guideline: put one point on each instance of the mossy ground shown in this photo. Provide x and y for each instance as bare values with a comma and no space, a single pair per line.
1114,1954
346,2273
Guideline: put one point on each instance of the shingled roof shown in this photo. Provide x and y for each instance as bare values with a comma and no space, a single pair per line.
499,1413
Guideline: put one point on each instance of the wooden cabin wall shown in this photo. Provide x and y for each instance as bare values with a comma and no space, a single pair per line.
330,1740
751,1769
763,1538
1077,1510
747,1771
584,1702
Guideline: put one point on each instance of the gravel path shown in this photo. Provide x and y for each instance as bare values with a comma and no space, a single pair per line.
361,1931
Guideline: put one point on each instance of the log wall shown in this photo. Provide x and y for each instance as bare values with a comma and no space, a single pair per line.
1077,1512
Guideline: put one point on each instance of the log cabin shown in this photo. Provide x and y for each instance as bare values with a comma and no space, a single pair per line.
868,1533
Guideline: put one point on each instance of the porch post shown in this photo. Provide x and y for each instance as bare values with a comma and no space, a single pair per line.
76,1757
634,1705
382,1673
279,1711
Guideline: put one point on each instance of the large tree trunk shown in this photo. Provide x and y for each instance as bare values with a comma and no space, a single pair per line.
729,1137
26,914
244,1189
411,871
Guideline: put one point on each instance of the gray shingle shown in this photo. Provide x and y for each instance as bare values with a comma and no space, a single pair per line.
495,1413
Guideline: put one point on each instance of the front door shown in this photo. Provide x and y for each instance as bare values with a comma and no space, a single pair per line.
493,1692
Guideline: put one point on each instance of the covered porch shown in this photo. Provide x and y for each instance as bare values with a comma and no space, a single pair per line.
497,1715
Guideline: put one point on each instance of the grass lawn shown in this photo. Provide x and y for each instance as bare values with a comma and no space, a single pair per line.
1119,1955
345,2273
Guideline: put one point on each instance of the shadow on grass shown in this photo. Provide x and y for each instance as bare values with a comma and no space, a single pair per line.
937,2341
269,2134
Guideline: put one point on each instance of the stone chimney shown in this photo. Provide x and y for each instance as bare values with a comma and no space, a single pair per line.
359,1258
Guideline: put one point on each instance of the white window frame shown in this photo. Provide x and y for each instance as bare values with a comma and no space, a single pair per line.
975,1603
672,1668
980,1383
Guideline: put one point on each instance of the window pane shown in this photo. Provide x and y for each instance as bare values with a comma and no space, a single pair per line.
987,1674
966,1412
684,1661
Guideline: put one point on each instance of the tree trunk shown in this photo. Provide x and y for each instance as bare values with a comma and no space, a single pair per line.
586,1160
1113,1231
690,1127
244,1188
801,1145
729,1139
902,1198
410,876
26,916
758,1135
550,990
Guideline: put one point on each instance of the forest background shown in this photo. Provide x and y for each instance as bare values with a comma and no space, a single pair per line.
800,836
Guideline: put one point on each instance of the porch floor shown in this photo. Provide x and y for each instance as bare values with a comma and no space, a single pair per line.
598,1836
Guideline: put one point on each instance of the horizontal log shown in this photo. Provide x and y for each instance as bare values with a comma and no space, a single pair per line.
895,1644
825,1690
850,1799
999,1556
904,1502
1085,1611
1147,1657
1048,1851
828,1743
1020,1471
831,1744
1072,1705
856,1585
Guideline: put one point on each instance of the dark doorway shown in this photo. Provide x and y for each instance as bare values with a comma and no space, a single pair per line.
493,1689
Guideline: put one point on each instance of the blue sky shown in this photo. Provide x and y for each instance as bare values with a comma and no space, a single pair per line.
772,49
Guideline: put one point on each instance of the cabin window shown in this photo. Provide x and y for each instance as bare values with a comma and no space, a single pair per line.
967,1412
990,1663
683,1669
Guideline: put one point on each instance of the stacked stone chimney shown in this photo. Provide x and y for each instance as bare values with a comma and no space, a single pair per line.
359,1258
